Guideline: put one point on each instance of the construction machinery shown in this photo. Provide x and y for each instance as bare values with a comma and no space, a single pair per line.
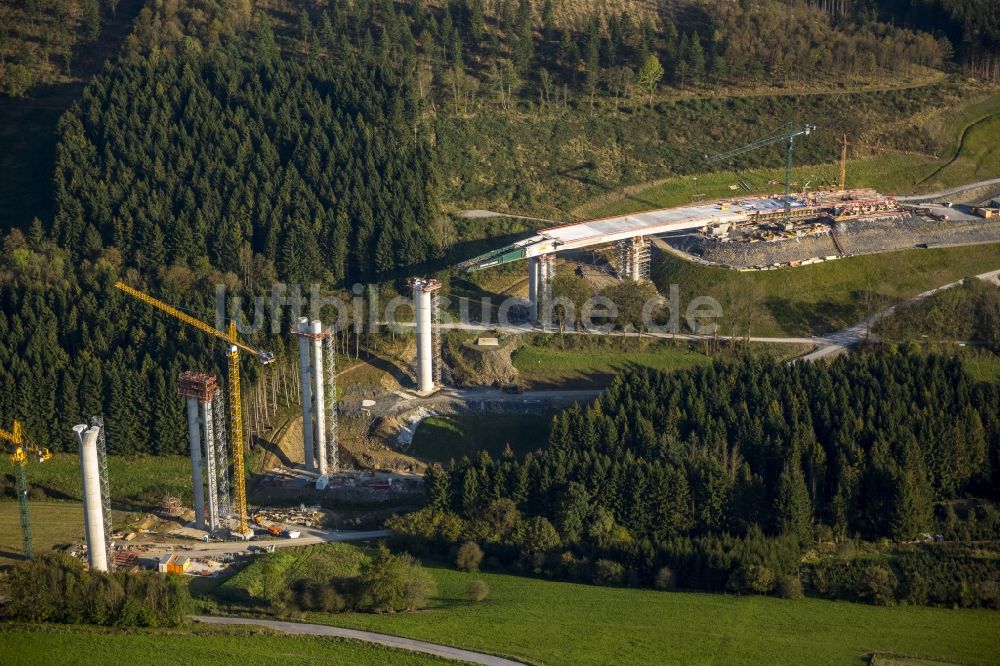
235,403
22,449
786,133
264,523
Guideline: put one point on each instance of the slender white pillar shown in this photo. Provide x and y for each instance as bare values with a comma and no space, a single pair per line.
422,307
533,268
93,509
320,395
306,382
194,438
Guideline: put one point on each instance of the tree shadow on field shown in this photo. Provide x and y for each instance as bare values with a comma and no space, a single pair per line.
273,449
576,173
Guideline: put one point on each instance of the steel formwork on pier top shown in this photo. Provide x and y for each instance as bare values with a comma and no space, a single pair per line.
198,385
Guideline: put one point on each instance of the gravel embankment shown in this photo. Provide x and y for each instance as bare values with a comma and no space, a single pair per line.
857,237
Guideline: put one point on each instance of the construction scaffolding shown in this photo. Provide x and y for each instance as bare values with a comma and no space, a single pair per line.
330,373
208,422
632,258
436,336
225,505
102,466
546,276
206,427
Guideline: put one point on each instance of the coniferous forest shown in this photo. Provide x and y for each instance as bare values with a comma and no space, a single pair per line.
248,143
723,477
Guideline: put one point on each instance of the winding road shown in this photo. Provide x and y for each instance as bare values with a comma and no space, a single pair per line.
850,336
444,651
921,198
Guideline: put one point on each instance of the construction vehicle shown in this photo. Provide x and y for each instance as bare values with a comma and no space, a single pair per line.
22,449
235,400
787,133
264,523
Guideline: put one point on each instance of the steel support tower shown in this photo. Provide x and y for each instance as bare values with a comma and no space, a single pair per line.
330,391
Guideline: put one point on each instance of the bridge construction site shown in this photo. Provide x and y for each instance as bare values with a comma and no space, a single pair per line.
823,225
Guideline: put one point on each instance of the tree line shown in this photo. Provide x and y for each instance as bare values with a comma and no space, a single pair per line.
56,588
39,39
726,473
250,163
519,50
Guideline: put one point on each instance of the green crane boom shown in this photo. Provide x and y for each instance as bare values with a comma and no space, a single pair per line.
786,133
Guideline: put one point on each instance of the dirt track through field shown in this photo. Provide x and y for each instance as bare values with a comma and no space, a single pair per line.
444,651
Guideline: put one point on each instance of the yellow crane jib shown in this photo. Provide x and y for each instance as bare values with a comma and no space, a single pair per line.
230,336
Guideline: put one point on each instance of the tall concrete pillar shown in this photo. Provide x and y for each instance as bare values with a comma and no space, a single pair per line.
93,509
425,348
319,394
533,269
194,438
306,382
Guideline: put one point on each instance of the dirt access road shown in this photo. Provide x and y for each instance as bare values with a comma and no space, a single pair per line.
310,536
397,642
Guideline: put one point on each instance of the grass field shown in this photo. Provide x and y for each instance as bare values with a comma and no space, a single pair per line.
441,438
983,365
50,645
971,153
133,479
549,366
819,299
891,173
52,523
565,623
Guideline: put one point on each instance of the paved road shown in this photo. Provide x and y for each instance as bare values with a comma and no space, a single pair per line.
309,536
522,329
478,214
850,336
454,654
917,198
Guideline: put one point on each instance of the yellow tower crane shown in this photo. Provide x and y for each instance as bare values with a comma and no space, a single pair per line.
235,402
19,457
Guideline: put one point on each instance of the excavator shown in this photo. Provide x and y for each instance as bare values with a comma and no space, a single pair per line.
23,449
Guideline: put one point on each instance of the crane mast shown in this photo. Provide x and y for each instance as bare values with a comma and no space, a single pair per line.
20,459
236,426
787,133
235,398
